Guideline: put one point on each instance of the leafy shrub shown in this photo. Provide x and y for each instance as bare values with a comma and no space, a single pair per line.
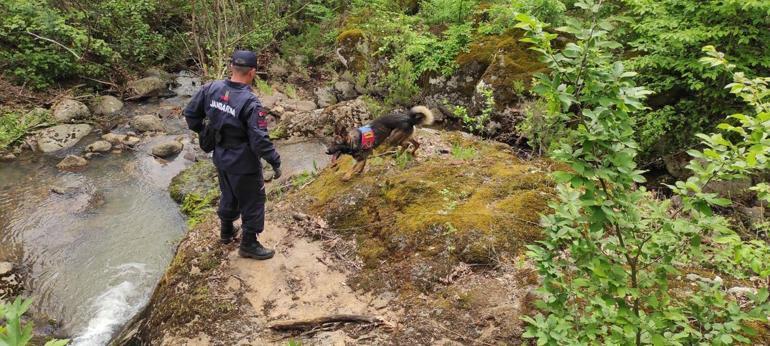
447,11
478,123
14,126
39,45
16,333
127,27
501,16
312,44
665,38
400,81
612,251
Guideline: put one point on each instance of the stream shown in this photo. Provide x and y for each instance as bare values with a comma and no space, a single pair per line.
94,244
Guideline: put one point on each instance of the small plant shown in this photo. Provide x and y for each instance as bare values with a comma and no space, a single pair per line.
476,124
403,159
196,207
263,87
463,153
401,82
290,91
303,179
277,132
450,199
14,125
16,333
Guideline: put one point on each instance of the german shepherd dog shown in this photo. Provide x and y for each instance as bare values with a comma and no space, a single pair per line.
396,129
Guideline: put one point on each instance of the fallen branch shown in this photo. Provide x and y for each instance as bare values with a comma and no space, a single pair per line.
315,322
55,42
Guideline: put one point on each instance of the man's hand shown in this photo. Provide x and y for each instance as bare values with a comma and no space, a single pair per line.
276,173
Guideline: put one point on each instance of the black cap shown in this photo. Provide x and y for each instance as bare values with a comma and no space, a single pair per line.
244,58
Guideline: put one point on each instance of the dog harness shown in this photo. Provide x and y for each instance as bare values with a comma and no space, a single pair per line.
367,137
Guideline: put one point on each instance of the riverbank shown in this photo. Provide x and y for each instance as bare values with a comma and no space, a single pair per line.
449,279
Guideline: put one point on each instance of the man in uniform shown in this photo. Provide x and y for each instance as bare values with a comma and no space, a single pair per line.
238,119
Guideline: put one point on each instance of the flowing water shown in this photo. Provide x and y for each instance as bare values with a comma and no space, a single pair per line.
94,249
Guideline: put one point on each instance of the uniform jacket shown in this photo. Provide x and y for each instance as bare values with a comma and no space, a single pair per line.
233,109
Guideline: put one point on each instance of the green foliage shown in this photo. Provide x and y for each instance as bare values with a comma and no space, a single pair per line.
401,82
40,44
464,153
447,11
611,250
741,150
14,126
14,332
403,158
312,44
665,38
502,16
411,49
127,27
290,91
197,207
541,126
304,178
477,124
263,87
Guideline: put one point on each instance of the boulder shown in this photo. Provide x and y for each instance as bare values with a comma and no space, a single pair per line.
742,291
68,110
156,72
325,97
107,105
131,141
346,90
72,163
754,216
270,101
733,189
148,87
61,136
676,165
147,123
167,149
5,268
7,157
99,147
114,138
323,122
278,69
300,105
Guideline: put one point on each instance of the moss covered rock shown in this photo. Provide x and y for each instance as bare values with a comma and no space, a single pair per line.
510,65
353,49
475,203
198,180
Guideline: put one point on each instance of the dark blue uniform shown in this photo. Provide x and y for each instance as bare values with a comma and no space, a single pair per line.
234,111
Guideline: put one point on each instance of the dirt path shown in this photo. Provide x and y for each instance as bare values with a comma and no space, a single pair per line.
298,284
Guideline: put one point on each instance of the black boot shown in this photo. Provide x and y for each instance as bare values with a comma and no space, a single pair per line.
227,232
251,248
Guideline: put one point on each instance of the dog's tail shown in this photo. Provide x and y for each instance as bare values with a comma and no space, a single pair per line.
421,115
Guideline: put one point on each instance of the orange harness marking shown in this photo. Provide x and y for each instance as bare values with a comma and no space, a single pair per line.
367,137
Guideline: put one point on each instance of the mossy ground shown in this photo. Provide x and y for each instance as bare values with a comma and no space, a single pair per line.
440,209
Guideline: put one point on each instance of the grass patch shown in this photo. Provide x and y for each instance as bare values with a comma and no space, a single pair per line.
464,153
290,91
14,125
264,87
